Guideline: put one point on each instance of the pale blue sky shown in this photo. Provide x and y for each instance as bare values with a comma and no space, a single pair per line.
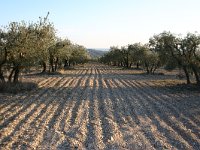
104,23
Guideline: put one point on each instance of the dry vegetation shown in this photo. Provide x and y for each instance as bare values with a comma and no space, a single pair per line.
99,107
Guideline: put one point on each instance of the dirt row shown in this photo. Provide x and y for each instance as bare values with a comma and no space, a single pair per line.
100,107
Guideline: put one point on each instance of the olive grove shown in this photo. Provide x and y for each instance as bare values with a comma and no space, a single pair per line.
163,50
24,45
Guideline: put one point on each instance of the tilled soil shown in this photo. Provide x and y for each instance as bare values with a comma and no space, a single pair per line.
99,107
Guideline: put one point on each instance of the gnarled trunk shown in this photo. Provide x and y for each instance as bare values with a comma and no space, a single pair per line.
51,65
11,75
1,75
2,63
56,64
194,69
16,75
147,67
137,65
186,74
44,66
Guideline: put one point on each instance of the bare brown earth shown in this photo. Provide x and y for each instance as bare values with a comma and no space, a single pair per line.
99,107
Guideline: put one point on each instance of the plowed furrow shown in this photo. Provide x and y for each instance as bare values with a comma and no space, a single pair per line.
99,107
165,115
45,81
94,135
178,99
132,119
27,105
25,119
79,117
21,102
118,118
175,119
55,134
154,129
184,120
65,122
144,120
106,113
53,122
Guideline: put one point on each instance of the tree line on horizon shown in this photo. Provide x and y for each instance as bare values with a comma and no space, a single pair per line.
24,45
163,50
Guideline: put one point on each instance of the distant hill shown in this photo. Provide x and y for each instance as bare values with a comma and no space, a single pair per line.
94,53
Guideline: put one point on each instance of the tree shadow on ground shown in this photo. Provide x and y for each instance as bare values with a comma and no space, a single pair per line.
159,103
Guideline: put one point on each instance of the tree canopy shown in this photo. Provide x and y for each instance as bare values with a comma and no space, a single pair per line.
163,50
23,45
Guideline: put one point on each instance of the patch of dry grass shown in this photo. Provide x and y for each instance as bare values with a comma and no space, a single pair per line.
176,85
14,88
168,82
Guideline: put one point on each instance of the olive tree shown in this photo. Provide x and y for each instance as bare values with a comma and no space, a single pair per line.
23,45
190,48
79,54
3,53
137,52
184,51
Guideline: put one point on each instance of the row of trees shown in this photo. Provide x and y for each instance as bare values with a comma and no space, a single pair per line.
163,50
135,54
23,45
